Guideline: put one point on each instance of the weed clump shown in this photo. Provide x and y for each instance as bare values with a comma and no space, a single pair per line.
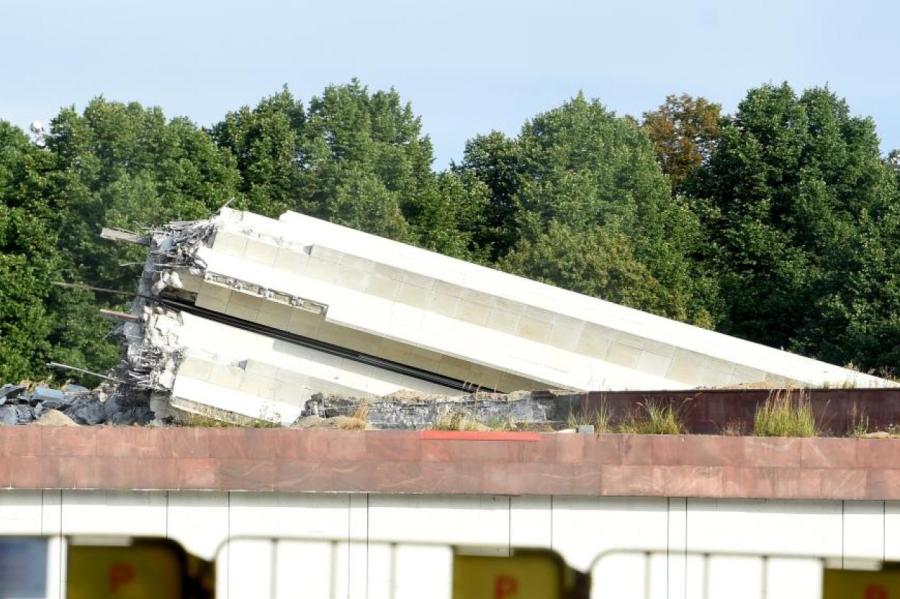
652,419
859,423
599,418
783,415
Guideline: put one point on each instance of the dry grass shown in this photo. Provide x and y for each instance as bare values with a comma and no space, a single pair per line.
653,419
362,411
785,414
199,420
859,422
345,423
456,420
599,418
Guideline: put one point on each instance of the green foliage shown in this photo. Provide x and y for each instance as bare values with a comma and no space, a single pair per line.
596,262
803,216
265,142
26,262
859,422
783,415
493,160
113,165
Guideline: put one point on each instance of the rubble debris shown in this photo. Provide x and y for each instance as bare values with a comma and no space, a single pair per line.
16,414
42,394
52,399
8,416
491,410
8,392
105,404
87,411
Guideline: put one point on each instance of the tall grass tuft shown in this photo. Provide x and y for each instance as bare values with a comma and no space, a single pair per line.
599,418
653,419
783,415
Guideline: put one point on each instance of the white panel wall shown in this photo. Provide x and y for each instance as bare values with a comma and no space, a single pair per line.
376,546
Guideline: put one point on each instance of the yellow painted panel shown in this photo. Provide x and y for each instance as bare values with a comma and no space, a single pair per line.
527,576
861,584
130,572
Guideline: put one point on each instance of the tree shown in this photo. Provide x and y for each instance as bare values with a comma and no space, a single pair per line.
493,161
583,167
684,131
353,157
28,260
893,161
597,262
265,142
801,210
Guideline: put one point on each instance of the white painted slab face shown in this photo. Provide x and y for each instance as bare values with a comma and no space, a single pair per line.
509,329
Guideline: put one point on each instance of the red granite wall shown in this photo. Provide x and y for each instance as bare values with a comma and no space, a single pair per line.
288,460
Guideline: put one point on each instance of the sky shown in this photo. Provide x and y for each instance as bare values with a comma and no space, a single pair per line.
467,66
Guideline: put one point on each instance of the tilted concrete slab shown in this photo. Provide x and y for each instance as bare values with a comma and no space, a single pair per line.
396,302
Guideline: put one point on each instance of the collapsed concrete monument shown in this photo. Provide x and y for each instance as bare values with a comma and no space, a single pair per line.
243,316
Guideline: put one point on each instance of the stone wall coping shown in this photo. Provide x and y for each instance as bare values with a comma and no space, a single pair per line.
442,462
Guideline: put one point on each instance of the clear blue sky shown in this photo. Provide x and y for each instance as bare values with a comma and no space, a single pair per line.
467,66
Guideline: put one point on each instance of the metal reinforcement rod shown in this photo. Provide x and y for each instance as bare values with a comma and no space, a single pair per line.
322,346
84,287
119,235
59,366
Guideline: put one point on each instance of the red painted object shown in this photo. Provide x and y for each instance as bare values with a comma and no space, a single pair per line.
479,436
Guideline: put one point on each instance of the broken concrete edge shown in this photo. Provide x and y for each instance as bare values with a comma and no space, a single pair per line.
147,368
326,461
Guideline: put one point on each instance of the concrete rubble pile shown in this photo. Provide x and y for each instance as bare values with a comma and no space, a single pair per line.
76,404
539,410
243,317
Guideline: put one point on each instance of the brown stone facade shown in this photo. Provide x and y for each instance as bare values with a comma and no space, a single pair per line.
290,460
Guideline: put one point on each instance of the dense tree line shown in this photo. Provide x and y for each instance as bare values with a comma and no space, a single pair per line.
779,223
